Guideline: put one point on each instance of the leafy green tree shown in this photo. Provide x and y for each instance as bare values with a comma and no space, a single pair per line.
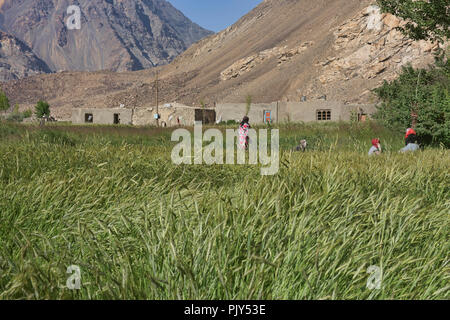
42,109
423,94
4,102
426,20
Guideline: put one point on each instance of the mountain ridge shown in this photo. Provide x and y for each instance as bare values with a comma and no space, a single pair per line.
17,60
115,35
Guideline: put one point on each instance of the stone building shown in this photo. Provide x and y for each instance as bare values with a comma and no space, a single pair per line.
175,114
307,111
170,115
102,116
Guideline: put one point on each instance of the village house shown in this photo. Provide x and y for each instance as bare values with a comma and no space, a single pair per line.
170,115
306,111
175,114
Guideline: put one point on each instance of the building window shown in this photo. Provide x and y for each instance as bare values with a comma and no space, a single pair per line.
323,115
88,118
116,118
206,116
362,117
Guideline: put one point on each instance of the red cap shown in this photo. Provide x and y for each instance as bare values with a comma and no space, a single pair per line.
410,132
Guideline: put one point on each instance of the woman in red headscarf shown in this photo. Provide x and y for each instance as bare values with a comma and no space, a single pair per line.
411,136
410,141
376,147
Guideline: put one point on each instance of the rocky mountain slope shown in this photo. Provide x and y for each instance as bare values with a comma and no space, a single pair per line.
289,49
284,50
17,60
115,35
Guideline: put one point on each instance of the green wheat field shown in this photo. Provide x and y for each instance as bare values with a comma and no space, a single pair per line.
109,200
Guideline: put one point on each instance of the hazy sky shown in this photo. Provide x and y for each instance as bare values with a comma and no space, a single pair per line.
214,15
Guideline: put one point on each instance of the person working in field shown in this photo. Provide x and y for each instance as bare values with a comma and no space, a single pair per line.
410,141
376,147
301,146
243,133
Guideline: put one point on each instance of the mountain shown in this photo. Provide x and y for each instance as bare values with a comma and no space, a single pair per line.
17,60
117,35
283,50
289,50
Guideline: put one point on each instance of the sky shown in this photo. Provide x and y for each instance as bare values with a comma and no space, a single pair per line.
215,15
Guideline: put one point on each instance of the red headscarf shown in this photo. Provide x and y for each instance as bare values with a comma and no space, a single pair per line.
375,142
409,132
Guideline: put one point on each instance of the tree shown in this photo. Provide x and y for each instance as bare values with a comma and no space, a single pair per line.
42,109
426,20
4,102
420,97
424,94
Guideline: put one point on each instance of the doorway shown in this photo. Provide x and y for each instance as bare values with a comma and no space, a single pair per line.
116,118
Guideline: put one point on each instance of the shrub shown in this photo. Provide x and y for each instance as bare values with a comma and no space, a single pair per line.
231,122
15,117
27,114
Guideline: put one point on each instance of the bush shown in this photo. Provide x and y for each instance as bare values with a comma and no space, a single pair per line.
27,114
424,92
15,117
42,109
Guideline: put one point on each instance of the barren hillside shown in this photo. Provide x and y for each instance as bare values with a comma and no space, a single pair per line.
282,50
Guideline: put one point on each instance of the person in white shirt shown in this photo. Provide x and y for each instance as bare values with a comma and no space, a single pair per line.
410,141
376,147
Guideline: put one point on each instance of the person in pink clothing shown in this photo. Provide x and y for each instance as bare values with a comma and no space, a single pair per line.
243,133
